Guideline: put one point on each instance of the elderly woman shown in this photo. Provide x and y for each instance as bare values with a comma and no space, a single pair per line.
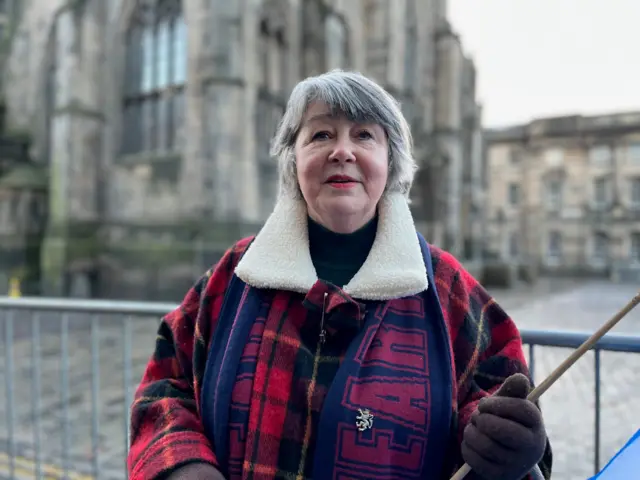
338,344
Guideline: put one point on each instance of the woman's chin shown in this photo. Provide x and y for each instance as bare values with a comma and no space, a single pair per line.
343,206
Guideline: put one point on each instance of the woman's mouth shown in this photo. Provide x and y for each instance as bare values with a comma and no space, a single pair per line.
341,181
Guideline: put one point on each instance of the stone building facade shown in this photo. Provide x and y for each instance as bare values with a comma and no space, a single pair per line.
154,119
564,194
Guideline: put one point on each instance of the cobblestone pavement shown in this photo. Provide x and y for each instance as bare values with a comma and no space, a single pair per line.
551,304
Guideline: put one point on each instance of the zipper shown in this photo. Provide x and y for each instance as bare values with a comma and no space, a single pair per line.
323,332
311,390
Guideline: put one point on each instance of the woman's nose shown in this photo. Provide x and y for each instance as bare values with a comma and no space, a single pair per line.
343,150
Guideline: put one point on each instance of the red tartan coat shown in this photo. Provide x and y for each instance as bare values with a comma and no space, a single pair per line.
166,426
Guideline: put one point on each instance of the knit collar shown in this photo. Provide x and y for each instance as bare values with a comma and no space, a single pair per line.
279,257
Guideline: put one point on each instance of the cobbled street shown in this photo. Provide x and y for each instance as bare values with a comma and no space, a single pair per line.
551,304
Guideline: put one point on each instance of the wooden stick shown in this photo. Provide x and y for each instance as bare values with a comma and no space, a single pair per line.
564,366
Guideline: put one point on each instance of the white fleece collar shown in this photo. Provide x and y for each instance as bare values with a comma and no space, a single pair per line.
279,256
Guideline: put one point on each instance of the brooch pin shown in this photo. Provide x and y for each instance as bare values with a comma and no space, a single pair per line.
364,421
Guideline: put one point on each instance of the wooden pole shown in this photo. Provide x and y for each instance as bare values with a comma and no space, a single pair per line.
564,366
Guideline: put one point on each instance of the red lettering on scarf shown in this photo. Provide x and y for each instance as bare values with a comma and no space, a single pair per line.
408,307
396,348
379,452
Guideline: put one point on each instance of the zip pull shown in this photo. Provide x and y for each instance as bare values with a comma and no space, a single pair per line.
323,332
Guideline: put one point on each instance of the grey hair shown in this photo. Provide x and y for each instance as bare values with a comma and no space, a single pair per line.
360,100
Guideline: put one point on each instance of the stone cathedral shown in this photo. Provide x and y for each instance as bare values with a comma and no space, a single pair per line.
150,121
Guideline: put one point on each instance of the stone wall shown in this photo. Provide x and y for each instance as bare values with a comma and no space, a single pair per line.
71,94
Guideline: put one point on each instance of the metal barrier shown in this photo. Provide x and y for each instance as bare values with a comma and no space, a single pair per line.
23,322
93,315
610,343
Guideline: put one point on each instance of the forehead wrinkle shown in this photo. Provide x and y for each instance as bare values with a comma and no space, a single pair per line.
335,113
320,117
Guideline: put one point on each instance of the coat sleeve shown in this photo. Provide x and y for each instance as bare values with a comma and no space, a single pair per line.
486,343
166,429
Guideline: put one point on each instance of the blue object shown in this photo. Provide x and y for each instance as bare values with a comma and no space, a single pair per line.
625,465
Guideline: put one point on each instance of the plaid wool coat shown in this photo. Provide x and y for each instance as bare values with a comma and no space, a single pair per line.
266,372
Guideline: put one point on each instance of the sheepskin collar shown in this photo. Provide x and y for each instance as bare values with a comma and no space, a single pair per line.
279,257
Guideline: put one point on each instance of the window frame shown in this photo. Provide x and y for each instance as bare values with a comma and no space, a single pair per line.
600,155
553,198
153,103
633,153
552,254
634,192
634,248
600,255
600,191
271,98
514,194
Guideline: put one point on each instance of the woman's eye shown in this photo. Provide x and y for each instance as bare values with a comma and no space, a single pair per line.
320,136
365,135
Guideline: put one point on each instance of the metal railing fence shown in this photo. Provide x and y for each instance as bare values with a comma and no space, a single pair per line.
30,334
70,368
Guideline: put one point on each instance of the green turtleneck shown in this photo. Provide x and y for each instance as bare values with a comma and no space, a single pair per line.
337,257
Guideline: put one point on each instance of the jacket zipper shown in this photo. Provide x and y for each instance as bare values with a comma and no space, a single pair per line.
323,332
312,385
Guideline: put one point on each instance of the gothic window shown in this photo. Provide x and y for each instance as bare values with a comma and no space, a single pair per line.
313,45
325,39
376,19
271,101
337,43
411,45
155,74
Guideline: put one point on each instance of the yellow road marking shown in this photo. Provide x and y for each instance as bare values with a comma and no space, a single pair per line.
27,467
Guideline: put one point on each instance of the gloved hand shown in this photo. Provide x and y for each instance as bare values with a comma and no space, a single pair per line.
505,437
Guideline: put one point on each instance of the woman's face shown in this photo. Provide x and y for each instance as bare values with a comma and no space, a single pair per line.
342,168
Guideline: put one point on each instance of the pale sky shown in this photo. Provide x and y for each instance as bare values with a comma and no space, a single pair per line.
539,58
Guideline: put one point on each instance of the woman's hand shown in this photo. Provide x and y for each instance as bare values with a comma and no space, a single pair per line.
505,437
